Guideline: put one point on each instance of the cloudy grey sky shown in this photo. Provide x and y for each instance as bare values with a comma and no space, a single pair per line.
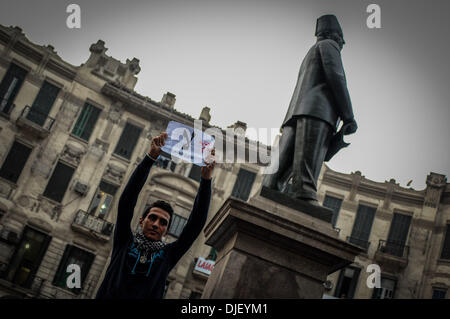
241,58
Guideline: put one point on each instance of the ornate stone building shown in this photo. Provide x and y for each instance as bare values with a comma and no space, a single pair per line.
70,138
404,231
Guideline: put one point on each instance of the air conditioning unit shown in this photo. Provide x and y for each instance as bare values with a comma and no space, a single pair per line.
81,188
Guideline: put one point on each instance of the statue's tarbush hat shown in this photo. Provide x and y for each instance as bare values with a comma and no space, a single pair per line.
328,23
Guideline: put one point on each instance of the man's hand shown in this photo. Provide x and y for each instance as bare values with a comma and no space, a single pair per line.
209,168
157,143
349,127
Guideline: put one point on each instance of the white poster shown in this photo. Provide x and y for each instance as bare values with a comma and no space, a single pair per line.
188,144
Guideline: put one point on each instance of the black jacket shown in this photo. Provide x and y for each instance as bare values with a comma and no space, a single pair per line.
127,278
321,89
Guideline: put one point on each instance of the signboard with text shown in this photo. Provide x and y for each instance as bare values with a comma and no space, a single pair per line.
204,266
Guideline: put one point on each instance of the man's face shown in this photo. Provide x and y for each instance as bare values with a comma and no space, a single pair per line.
155,224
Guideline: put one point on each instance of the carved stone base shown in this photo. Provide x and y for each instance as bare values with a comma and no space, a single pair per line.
267,250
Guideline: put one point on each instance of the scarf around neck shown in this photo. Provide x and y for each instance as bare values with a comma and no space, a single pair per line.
145,245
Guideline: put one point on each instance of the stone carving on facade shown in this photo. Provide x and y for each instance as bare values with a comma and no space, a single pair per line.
436,180
50,48
73,152
205,114
115,172
115,112
24,201
98,47
50,208
218,191
98,149
133,65
435,185
168,100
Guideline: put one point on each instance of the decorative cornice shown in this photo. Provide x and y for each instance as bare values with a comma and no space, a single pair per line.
390,191
28,52
61,70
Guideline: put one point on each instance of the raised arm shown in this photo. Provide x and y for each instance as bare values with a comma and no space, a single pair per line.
198,216
128,199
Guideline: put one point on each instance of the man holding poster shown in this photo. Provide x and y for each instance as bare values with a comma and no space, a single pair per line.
141,262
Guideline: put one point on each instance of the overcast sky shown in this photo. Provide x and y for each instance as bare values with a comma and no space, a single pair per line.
241,58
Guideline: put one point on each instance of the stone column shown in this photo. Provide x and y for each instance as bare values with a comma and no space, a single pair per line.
267,250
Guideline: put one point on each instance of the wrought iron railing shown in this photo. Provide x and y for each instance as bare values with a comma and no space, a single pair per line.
35,116
93,223
359,242
393,248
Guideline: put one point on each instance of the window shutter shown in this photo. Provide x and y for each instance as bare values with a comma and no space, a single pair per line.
177,225
15,161
43,103
86,121
333,204
58,183
128,140
397,234
446,248
10,86
363,224
243,184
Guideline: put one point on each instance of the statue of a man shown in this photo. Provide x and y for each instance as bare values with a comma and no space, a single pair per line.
319,102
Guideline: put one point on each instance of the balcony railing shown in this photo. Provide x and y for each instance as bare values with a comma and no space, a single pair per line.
93,223
39,119
359,242
394,249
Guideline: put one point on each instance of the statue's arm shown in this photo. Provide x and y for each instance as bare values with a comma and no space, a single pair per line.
335,77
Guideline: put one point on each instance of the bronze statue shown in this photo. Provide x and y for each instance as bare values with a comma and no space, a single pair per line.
309,130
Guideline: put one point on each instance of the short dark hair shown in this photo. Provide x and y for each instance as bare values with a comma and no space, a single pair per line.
160,204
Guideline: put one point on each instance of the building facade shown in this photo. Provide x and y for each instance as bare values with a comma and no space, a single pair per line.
406,233
72,135
70,138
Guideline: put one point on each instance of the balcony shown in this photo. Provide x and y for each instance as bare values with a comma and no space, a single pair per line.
36,122
92,226
359,242
392,255
15,291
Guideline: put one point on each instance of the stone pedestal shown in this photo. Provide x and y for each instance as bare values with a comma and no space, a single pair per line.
267,250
